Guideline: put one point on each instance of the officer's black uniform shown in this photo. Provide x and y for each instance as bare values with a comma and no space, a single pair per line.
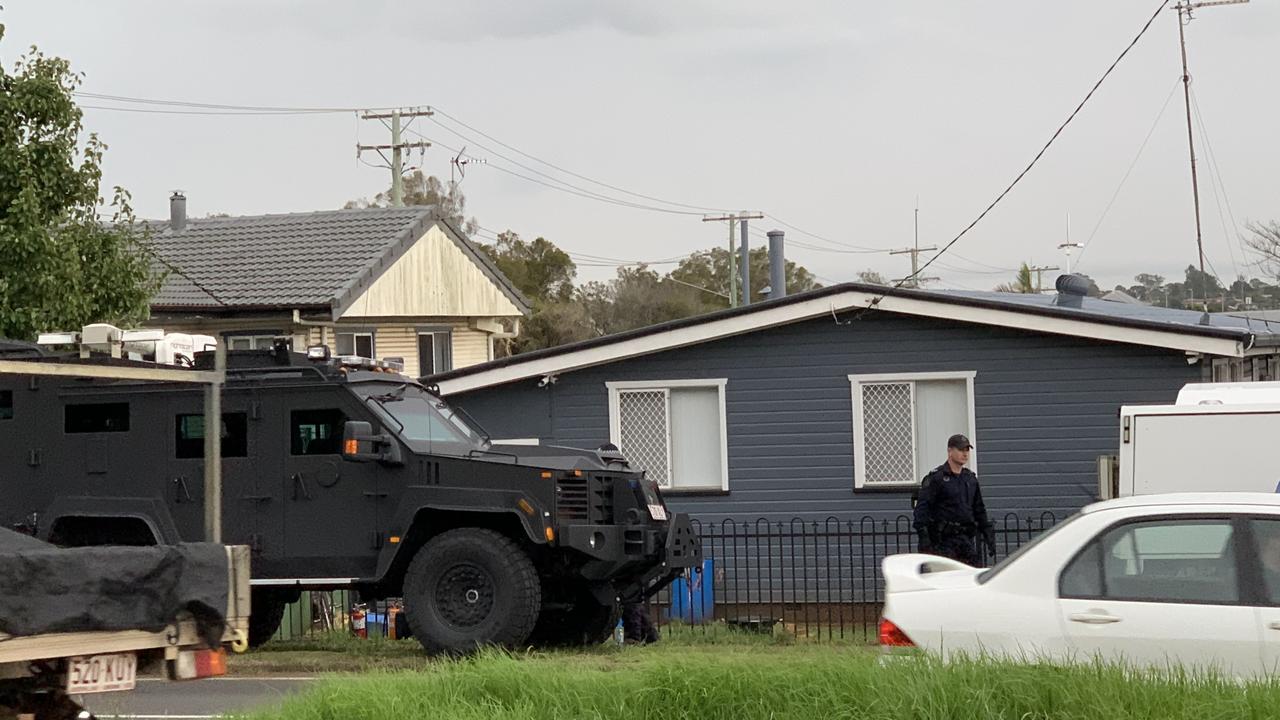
949,513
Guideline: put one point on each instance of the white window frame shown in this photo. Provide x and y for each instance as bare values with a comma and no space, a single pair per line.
855,391
615,422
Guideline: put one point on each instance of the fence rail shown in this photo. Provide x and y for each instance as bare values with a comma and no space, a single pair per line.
817,580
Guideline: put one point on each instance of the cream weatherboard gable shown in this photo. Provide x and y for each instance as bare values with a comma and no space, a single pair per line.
434,278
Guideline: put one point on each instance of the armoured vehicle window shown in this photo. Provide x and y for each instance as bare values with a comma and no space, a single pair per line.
190,435
423,417
97,417
6,404
316,432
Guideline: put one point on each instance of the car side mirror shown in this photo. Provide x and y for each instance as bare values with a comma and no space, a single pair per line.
361,444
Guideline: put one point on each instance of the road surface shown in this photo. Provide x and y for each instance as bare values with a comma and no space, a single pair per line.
195,699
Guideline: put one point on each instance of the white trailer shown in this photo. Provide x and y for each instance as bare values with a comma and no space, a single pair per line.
1217,436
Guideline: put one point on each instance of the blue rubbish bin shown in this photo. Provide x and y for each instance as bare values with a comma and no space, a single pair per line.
376,624
693,598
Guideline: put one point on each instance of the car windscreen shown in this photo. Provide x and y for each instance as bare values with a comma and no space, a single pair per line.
999,567
419,416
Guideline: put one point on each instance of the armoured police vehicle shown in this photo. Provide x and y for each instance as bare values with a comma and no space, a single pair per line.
341,472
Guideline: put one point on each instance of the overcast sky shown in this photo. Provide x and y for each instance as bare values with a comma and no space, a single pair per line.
830,116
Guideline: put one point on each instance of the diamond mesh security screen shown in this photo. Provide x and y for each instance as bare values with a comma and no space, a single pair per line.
643,432
888,432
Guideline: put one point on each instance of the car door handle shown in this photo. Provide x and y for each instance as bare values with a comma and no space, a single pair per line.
1093,618
1273,625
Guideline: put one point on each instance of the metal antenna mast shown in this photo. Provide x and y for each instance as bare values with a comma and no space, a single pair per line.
1185,9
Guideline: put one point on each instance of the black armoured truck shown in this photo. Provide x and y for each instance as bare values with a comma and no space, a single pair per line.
343,473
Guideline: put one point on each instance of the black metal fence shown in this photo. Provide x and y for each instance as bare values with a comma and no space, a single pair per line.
816,580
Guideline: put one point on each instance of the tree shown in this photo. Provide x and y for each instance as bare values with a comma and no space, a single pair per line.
60,267
1265,241
636,298
420,189
539,269
1022,282
544,274
709,270
871,277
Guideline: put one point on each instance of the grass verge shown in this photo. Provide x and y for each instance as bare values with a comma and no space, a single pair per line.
747,681
342,652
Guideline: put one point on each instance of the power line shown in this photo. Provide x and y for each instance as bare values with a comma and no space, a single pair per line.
215,106
1132,164
152,111
512,148
204,108
1047,145
1215,173
563,186
815,236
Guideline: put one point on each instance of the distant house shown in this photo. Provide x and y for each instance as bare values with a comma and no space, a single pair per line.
378,282
833,403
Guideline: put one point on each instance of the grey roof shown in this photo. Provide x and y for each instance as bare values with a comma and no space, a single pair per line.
1096,309
1122,296
1249,331
299,260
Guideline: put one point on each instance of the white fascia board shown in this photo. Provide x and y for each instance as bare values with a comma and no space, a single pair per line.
829,305
661,384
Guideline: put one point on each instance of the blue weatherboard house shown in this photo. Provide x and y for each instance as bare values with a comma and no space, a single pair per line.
834,403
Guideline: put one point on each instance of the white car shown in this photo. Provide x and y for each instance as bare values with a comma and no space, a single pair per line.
1152,581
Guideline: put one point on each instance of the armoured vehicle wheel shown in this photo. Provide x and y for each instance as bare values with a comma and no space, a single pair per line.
585,623
471,587
265,614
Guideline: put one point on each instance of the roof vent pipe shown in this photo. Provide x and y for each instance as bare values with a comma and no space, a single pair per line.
777,265
1072,290
177,211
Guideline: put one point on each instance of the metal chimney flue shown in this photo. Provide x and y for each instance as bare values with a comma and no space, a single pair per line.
777,265
177,211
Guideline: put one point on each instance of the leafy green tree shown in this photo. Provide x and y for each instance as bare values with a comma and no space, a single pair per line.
709,269
422,189
60,266
538,268
1022,283
636,298
544,274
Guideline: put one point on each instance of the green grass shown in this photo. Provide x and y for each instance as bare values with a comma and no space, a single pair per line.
763,679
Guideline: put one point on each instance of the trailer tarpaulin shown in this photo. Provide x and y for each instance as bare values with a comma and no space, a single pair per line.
46,589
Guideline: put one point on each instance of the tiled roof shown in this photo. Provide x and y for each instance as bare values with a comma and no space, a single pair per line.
299,260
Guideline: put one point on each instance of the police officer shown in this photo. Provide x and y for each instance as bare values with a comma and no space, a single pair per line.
949,512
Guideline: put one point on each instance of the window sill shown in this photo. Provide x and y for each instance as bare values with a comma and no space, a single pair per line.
887,489
687,492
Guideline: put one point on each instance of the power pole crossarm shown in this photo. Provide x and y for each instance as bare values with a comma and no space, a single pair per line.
734,219
1039,270
396,147
913,280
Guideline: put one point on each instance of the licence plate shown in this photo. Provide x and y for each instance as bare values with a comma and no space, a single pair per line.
102,673
657,512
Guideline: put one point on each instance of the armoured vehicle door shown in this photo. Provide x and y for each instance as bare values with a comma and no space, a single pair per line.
330,505
250,505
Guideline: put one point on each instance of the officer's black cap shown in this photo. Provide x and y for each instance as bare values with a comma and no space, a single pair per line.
959,442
